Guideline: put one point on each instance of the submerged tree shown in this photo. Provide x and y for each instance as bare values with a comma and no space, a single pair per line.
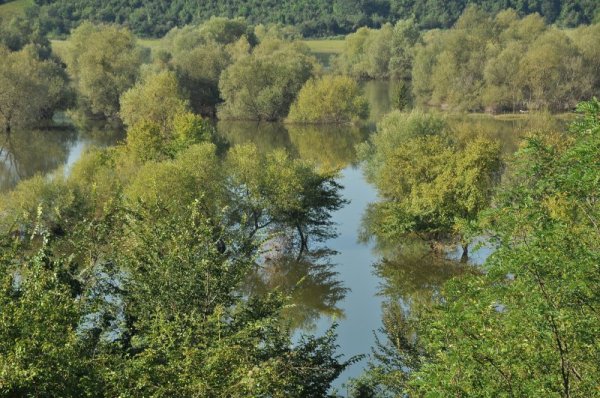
274,192
329,99
528,325
31,88
262,86
432,185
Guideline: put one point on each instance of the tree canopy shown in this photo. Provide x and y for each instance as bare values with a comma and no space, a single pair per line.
528,324
155,18
330,99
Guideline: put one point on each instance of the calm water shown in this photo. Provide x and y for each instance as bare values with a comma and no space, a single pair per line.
349,278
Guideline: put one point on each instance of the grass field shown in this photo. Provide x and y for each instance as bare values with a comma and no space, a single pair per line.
325,46
12,8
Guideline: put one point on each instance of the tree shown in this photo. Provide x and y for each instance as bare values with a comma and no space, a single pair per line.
274,192
529,324
432,185
330,99
104,62
31,89
157,99
263,86
41,353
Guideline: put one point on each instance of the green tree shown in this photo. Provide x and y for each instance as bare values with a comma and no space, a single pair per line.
41,352
104,62
31,89
264,85
330,99
157,99
432,185
529,324
277,192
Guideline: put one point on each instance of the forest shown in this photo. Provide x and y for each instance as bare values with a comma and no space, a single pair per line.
313,18
178,259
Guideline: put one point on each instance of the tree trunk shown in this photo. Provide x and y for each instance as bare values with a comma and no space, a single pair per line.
465,254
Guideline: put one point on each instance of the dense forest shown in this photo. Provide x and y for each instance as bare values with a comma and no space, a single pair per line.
313,18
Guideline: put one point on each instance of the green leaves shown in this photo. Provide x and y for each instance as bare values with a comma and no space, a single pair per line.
528,325
330,99
432,185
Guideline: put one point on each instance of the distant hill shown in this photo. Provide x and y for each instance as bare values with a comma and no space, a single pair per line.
153,18
9,9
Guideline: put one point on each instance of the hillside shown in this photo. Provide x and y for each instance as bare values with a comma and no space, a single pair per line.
154,18
10,9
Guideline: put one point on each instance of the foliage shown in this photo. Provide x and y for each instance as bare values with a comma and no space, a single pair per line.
104,62
432,184
330,99
42,353
138,284
157,99
528,325
277,192
504,64
199,54
383,53
314,18
31,88
262,86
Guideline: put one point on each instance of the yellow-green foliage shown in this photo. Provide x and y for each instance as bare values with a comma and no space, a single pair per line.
506,63
330,99
31,88
431,183
157,98
104,62
262,86
176,183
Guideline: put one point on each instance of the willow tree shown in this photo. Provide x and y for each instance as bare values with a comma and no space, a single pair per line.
31,89
104,61
262,86
330,99
432,185
529,324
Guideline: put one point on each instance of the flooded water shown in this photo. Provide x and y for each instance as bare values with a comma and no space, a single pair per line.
348,279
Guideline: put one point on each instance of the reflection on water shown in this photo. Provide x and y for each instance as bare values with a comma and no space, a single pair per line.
26,153
412,275
329,146
266,136
309,279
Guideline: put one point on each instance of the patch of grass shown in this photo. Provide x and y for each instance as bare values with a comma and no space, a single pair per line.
152,44
58,47
325,46
13,8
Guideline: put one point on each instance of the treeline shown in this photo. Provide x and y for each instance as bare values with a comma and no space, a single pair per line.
484,62
526,323
225,68
313,18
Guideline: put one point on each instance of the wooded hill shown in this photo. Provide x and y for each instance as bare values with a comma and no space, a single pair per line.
154,18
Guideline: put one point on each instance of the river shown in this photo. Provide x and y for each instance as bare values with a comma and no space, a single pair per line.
350,278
